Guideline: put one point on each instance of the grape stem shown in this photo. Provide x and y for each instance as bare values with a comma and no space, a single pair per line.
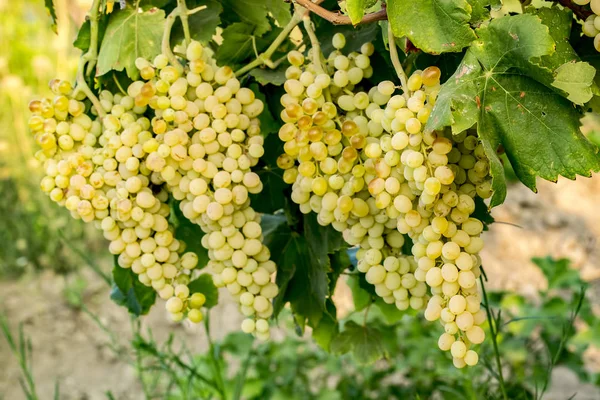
265,58
396,61
181,12
83,87
119,84
338,19
314,43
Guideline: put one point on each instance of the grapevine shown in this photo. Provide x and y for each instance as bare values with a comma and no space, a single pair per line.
291,143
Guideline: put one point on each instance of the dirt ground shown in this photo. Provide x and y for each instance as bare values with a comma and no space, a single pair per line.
68,347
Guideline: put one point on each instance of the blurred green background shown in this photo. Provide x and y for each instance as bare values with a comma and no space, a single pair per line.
32,229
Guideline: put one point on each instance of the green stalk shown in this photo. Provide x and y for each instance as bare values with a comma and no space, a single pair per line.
314,43
396,61
494,334
83,86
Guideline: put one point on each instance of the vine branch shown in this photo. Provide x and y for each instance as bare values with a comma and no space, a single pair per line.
338,19
314,41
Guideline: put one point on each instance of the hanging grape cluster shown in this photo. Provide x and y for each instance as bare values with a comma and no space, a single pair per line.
188,132
357,155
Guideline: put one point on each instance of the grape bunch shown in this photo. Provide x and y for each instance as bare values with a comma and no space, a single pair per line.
207,140
327,130
433,203
188,132
95,168
360,158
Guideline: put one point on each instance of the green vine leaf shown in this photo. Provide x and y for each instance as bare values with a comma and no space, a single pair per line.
443,26
577,80
365,343
327,328
480,10
203,24
356,10
52,13
497,87
128,291
204,284
251,12
563,68
266,76
280,10
129,35
238,43
304,264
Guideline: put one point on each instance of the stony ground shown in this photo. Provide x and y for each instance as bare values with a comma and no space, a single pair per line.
69,347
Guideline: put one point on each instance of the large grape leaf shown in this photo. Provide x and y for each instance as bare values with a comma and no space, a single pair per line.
434,26
130,34
502,85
